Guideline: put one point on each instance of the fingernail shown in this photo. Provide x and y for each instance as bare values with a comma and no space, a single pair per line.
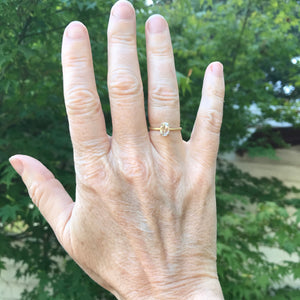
17,165
156,24
76,30
123,10
217,69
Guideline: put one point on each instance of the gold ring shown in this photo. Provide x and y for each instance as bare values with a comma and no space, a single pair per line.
164,129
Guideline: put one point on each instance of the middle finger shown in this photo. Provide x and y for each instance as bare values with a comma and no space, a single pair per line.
124,79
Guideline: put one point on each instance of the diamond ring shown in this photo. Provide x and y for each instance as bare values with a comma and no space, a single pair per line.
164,129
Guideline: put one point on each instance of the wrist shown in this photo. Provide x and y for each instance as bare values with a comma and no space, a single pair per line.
205,289
211,290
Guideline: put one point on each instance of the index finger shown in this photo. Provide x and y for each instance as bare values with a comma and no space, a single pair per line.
86,120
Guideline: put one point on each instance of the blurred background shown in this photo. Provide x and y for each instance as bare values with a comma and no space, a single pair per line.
258,175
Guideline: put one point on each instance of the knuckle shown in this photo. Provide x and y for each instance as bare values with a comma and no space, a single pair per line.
164,93
90,174
123,83
76,62
134,169
90,150
38,192
211,120
92,182
80,100
124,39
161,51
35,194
215,92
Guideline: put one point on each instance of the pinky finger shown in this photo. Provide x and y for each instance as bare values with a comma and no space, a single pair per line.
204,140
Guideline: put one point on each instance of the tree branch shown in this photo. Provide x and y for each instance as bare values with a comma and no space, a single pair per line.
235,54
22,34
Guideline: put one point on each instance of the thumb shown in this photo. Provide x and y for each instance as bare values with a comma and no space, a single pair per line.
47,193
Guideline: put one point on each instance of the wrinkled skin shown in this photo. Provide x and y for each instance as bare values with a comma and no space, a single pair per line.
144,221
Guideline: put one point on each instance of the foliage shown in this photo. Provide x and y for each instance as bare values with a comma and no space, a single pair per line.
252,213
257,41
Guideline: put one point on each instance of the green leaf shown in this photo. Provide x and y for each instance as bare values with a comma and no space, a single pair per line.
8,174
8,213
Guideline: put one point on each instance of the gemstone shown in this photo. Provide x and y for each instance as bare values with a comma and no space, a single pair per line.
164,129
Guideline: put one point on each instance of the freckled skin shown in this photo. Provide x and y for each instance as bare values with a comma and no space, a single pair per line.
143,224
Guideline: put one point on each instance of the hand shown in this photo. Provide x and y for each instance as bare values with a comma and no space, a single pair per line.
144,221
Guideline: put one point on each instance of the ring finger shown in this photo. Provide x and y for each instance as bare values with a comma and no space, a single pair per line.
163,97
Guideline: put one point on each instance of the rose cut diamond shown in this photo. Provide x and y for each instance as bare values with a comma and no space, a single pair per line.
164,129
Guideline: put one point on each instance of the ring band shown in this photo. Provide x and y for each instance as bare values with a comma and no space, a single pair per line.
164,129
